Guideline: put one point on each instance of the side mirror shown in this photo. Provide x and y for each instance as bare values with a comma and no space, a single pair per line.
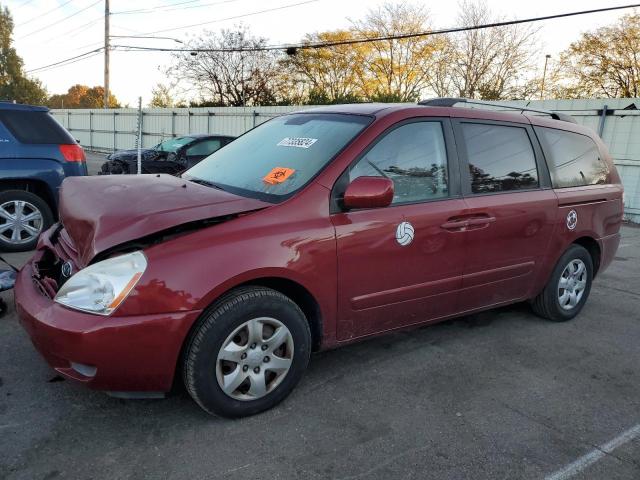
369,192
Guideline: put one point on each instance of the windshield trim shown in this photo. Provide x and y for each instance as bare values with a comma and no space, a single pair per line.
274,198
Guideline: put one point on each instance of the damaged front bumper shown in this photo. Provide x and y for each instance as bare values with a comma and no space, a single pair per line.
117,354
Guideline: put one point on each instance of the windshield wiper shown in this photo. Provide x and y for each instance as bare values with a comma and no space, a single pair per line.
206,183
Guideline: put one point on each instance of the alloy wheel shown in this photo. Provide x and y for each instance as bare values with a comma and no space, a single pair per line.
20,221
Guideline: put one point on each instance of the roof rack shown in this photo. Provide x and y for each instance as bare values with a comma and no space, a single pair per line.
450,102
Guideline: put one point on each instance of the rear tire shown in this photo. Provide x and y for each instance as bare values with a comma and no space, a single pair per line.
23,217
568,287
247,352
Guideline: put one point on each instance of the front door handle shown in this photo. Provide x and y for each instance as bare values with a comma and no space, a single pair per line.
480,221
455,225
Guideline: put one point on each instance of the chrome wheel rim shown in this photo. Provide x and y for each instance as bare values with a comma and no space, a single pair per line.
254,359
572,284
20,222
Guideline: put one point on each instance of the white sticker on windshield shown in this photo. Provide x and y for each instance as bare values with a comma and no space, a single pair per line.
297,142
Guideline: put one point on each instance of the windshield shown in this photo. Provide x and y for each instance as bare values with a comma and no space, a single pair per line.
173,144
280,156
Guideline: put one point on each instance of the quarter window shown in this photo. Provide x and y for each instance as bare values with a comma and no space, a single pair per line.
574,159
35,127
414,157
501,158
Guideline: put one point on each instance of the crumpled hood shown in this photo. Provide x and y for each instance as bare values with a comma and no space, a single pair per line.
145,153
99,213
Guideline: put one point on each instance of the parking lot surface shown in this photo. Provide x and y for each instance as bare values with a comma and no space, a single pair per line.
95,161
501,395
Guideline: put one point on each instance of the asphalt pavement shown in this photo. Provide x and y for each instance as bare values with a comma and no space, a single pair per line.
95,161
501,395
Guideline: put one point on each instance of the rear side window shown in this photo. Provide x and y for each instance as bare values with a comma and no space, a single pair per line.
500,158
414,157
574,159
35,127
204,148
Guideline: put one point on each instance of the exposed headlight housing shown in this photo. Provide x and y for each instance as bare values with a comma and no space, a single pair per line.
101,287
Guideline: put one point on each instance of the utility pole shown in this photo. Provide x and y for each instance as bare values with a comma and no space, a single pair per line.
544,75
139,142
106,54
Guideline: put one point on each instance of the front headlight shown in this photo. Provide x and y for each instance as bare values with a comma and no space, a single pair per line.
101,287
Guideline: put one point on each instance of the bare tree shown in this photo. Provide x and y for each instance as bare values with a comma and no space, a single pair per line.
491,63
229,78
440,80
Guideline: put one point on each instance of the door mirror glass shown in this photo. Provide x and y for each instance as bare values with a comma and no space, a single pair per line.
369,192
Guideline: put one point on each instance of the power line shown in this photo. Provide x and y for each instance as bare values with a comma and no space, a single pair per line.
60,62
72,33
44,14
171,6
310,45
61,20
137,32
100,42
202,5
72,62
144,37
343,42
24,4
82,28
282,7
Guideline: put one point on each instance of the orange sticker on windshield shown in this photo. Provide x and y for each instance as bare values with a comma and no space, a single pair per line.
278,175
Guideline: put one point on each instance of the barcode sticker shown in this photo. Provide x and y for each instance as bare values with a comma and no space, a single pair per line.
297,142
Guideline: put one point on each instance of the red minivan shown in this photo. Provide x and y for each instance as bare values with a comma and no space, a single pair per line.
313,230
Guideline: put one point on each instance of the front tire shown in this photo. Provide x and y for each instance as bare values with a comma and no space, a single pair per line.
247,352
568,288
23,217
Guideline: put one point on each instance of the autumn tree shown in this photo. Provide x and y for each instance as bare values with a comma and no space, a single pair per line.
233,72
325,75
161,97
233,68
396,69
82,96
14,84
602,63
488,63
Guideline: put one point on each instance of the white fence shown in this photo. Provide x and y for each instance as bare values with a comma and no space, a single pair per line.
116,129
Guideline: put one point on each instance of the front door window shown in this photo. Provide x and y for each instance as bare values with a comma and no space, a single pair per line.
414,157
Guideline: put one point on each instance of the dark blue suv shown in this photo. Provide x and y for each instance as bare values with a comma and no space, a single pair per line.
36,155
